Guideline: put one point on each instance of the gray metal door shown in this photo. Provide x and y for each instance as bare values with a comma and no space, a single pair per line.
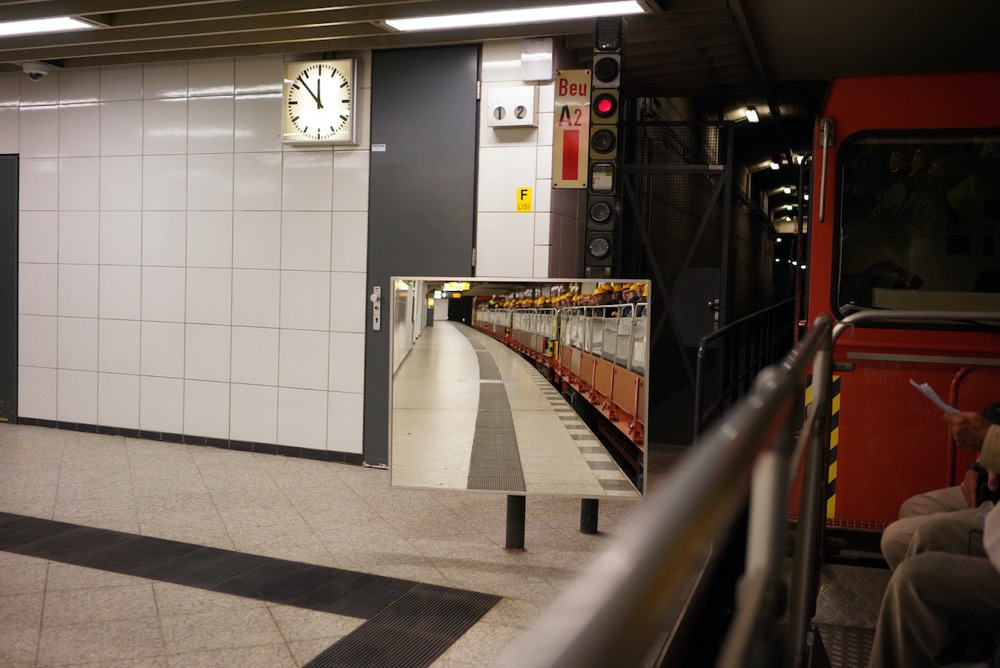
421,212
8,288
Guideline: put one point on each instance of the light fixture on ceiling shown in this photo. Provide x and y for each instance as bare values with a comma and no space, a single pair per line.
787,190
775,163
752,115
514,16
31,26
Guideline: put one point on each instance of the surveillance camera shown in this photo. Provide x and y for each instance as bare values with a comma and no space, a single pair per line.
36,71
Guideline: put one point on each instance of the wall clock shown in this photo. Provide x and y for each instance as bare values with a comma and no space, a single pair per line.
319,102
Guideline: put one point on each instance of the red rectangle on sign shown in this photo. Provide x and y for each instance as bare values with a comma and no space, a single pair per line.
571,155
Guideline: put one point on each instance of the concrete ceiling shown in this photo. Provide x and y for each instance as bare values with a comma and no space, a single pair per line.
775,54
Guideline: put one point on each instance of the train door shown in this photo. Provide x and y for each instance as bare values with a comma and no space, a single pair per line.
422,193
906,219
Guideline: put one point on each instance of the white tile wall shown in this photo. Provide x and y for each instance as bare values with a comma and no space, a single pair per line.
302,418
164,126
210,182
258,124
253,413
183,271
38,236
39,186
118,346
161,404
209,296
257,181
78,290
10,130
206,409
163,238
307,180
76,396
305,300
210,239
256,297
164,182
206,352
211,124
345,432
121,183
162,351
38,344
211,77
79,130
39,132
79,85
513,158
121,83
38,289
120,237
79,184
79,236
36,392
118,400
302,359
120,292
257,239
163,293
255,355
347,370
77,341
121,127
350,234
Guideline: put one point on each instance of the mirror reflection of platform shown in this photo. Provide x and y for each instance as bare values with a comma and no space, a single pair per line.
470,413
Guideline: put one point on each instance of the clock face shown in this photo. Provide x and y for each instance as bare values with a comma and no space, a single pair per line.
319,102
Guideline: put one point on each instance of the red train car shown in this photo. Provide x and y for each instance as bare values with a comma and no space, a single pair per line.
905,216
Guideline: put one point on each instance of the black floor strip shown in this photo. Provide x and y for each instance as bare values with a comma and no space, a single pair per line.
494,463
409,624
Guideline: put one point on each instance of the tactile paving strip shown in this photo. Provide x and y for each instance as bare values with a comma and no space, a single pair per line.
495,463
410,624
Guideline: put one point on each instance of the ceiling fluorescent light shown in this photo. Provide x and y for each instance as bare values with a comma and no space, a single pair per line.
752,115
31,26
514,16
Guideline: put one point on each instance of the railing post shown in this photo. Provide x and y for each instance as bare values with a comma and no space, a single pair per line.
809,536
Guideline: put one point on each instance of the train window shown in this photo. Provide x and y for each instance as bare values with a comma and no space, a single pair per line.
918,217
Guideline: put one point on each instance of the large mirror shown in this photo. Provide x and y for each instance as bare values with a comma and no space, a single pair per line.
519,386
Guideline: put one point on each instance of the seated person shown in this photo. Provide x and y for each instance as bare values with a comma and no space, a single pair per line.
960,507
941,601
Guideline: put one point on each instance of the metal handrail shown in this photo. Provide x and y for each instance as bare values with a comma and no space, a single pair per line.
614,611
724,333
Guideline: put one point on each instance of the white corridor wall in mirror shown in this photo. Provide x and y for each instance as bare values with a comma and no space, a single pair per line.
180,270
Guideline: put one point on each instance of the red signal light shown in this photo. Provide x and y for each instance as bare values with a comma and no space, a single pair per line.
605,105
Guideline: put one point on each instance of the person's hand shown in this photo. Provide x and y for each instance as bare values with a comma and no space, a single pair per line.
968,429
969,486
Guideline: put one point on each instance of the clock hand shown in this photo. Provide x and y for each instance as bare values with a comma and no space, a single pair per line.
318,103
319,94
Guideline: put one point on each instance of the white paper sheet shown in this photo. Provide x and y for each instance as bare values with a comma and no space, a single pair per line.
929,392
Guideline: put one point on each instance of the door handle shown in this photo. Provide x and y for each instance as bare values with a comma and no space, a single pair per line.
376,300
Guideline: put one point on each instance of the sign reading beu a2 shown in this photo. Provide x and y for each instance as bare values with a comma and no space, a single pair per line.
571,136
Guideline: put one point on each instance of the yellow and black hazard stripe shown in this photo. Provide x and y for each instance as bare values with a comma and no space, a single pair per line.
831,471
